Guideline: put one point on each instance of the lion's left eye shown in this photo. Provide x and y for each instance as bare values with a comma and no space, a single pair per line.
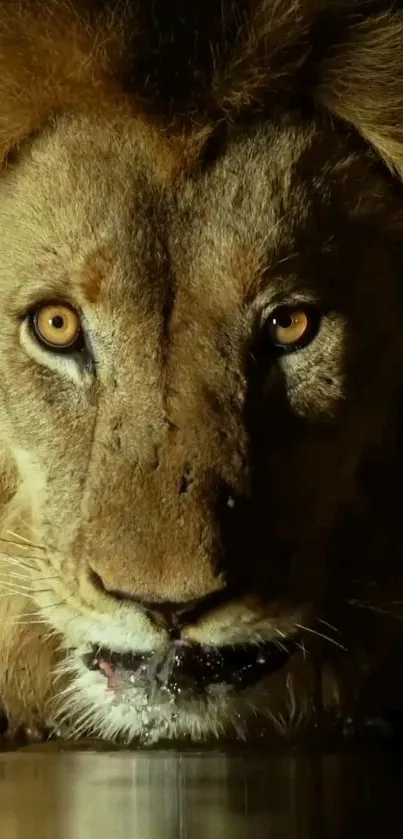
292,328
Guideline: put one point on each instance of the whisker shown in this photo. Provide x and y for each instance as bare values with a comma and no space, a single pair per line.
23,546
12,586
301,646
321,635
34,616
31,578
27,544
379,610
17,621
329,625
26,541
16,571
15,575
19,537
18,560
15,584
281,646
285,258
54,605
31,617
81,727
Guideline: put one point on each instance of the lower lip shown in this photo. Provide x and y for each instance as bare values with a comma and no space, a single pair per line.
193,666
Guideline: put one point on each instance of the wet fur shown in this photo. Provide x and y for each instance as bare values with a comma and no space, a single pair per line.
314,92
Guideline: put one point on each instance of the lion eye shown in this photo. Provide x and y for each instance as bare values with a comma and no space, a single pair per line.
57,326
292,328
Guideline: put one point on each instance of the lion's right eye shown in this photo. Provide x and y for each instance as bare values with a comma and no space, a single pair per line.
57,327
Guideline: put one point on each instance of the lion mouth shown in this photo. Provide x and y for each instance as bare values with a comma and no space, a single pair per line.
184,668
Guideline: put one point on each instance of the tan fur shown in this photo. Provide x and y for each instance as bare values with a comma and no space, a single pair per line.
175,201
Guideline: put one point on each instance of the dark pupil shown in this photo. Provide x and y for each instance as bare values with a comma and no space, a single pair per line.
284,320
57,322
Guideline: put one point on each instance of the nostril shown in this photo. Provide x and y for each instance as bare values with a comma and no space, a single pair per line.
96,580
165,617
174,616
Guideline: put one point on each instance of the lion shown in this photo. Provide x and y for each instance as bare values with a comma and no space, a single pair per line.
201,368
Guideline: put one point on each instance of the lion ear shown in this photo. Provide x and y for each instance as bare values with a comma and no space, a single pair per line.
361,82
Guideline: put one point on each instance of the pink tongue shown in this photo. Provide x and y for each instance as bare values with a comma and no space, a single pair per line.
109,671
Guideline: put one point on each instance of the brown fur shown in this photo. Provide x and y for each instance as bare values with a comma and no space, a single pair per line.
174,190
361,81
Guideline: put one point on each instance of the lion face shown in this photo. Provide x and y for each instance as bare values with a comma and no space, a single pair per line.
185,404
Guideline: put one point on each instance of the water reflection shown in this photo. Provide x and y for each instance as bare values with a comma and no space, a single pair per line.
199,796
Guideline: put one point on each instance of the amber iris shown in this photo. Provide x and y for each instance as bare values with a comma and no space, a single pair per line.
57,326
289,327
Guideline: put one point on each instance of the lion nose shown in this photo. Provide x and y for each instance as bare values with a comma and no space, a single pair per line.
168,614
174,616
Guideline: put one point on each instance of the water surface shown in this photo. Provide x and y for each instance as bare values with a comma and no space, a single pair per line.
53,794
